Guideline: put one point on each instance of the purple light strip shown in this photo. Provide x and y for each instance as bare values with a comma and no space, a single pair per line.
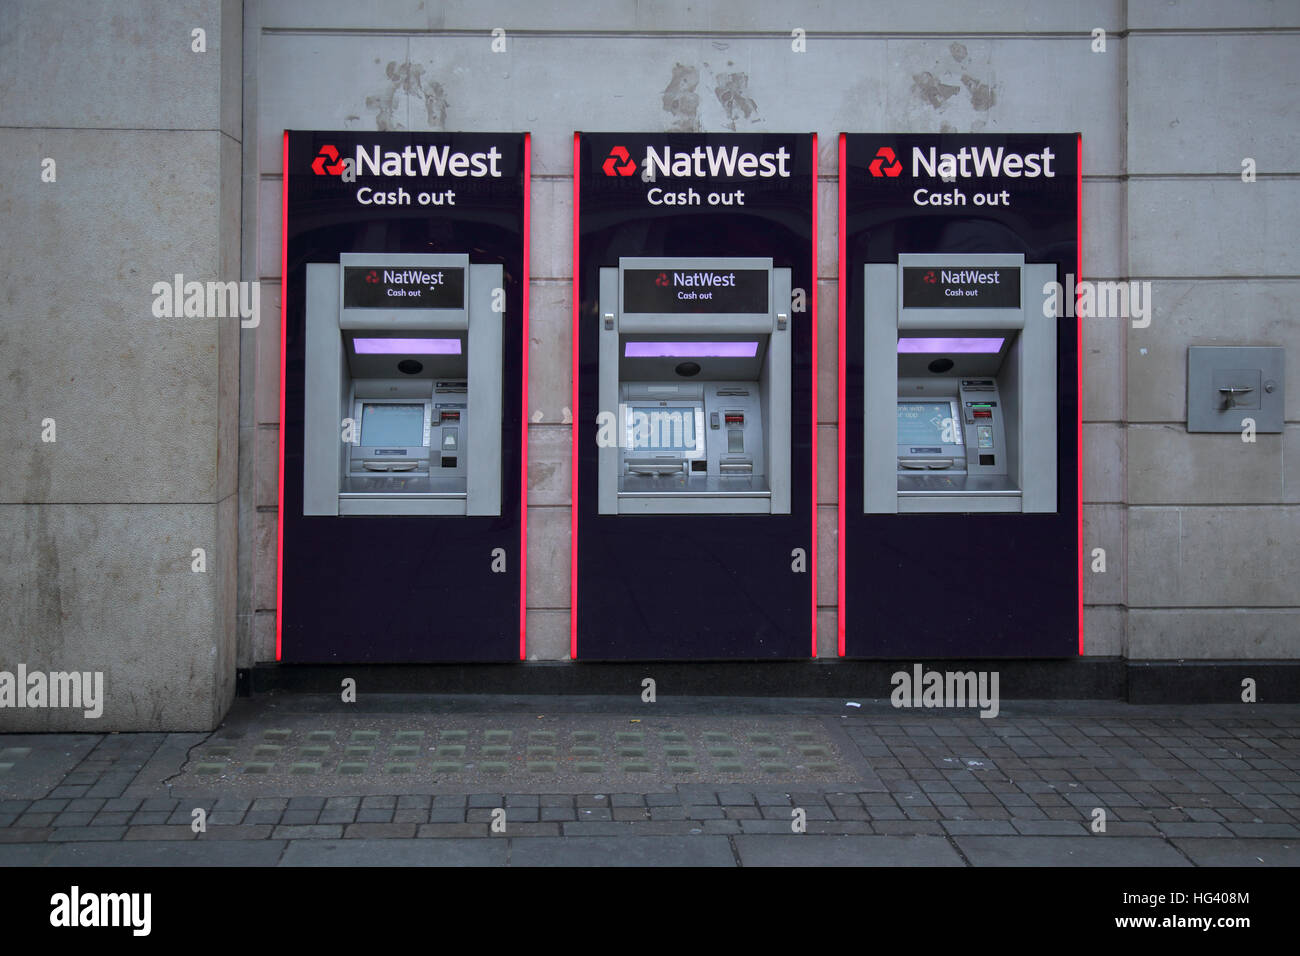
406,346
930,346
690,350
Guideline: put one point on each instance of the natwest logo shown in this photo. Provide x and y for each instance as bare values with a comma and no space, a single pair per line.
422,160
703,278
885,163
416,160
969,162
411,277
967,277
716,161
328,154
618,163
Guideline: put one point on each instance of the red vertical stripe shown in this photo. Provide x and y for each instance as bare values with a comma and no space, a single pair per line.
1078,337
523,416
813,558
573,503
284,279
843,292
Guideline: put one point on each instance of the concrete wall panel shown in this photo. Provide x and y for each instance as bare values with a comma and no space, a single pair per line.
1200,104
1207,312
1203,557
110,588
124,387
1253,231
64,63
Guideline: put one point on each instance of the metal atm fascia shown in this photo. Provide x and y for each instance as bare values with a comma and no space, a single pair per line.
338,382
1020,377
712,479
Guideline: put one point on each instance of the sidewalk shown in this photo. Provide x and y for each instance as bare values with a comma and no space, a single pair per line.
306,780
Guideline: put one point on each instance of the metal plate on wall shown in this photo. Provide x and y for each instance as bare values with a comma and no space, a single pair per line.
1228,384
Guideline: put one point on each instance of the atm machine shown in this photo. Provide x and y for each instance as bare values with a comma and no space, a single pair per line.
694,387
403,386
959,386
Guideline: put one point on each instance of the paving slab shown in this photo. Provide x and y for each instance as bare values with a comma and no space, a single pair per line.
1211,852
167,853
450,753
359,852
1206,784
809,850
31,765
700,850
1069,851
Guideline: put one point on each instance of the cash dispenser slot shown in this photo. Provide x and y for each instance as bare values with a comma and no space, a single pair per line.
403,386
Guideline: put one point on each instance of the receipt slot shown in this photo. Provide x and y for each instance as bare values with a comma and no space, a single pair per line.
959,386
403,384
694,387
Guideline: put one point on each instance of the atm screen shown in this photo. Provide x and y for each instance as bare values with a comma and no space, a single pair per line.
663,428
922,423
386,423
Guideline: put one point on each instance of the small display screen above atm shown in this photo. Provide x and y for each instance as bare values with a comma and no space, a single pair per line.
663,428
403,287
927,424
386,423
963,287
736,291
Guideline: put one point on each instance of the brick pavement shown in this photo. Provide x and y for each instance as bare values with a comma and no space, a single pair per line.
1177,786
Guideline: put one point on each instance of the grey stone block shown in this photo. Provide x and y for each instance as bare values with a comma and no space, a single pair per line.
1212,852
632,851
1213,633
812,850
548,557
114,70
300,817
1069,851
1205,124
1249,239
447,815
1168,466
86,833
361,852
548,635
1187,312
313,832
1176,557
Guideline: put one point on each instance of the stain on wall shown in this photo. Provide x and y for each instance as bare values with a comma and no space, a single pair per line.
981,94
680,100
407,87
940,73
927,86
731,91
